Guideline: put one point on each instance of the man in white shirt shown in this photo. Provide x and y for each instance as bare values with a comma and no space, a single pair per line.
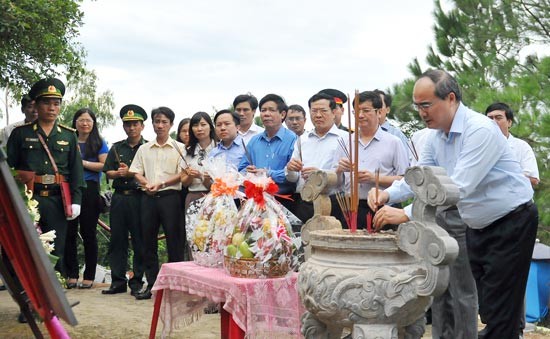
503,115
315,150
27,107
245,105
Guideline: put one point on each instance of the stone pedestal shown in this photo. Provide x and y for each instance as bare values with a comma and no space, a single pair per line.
379,284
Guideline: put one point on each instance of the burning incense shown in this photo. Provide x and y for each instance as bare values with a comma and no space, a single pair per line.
299,145
179,152
412,149
355,169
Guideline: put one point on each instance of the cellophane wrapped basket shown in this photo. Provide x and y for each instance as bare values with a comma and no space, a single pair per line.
210,230
262,244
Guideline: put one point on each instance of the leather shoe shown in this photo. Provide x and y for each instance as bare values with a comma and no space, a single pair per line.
134,293
2,287
144,295
71,285
114,290
86,286
21,318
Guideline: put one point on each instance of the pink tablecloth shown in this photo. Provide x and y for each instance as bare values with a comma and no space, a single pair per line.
263,308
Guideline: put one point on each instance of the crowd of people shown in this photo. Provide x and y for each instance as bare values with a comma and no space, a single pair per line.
155,181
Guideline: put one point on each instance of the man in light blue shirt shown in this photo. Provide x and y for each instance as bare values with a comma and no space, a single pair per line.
272,149
231,143
495,198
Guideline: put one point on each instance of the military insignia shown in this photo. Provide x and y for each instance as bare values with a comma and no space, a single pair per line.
62,142
130,113
51,89
31,139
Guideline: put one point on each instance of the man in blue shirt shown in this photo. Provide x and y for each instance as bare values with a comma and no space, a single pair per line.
272,149
495,198
231,143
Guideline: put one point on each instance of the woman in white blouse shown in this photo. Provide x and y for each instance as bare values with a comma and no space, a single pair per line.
202,139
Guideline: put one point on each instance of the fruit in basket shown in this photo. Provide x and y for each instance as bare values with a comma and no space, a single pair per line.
245,251
237,239
232,250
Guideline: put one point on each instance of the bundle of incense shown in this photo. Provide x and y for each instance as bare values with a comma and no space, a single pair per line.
344,203
117,157
354,175
248,157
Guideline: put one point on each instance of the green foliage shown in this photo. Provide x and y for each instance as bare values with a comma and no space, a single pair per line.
37,39
482,43
84,95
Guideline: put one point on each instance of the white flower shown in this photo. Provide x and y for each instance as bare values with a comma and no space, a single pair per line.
47,240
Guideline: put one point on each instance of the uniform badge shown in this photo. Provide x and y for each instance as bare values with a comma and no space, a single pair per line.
31,139
51,89
130,113
62,142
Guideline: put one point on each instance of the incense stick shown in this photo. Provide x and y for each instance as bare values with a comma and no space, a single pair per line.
299,145
175,144
413,149
116,155
376,184
248,157
355,167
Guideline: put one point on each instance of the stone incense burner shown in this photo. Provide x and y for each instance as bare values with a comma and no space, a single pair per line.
379,285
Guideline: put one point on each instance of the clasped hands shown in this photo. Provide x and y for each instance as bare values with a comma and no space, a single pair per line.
365,176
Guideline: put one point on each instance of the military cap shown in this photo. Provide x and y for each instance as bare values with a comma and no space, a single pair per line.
133,113
339,97
47,88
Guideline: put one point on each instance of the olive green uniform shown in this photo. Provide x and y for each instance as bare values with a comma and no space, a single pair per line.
124,218
25,152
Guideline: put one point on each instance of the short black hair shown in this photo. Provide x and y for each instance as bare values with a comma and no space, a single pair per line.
297,108
387,97
500,106
444,83
371,96
246,98
234,115
163,110
281,104
322,96
25,100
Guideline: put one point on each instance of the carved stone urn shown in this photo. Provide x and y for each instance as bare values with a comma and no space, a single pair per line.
379,284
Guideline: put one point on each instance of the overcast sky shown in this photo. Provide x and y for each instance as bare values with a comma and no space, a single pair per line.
198,55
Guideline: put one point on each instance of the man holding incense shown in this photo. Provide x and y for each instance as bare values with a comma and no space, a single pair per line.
157,170
314,150
126,201
378,151
271,150
340,99
231,144
495,198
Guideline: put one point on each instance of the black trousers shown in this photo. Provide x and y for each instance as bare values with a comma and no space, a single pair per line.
89,213
500,255
124,220
52,217
164,209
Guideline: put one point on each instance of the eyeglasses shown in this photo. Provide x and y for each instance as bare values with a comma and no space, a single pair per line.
322,111
422,106
84,121
291,119
367,110
202,155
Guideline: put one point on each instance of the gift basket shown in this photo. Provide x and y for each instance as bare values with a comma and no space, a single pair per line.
209,227
262,244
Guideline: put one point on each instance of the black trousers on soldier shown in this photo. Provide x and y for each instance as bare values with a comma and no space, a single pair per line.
500,255
52,217
163,208
125,220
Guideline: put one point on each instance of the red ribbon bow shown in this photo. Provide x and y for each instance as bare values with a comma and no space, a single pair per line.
256,192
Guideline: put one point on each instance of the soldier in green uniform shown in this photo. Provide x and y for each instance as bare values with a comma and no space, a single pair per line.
124,217
25,152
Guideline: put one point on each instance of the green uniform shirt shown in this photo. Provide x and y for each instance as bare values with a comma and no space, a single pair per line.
126,155
25,152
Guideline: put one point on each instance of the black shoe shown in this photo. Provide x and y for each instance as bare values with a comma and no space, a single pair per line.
134,293
2,287
21,318
114,290
86,286
144,295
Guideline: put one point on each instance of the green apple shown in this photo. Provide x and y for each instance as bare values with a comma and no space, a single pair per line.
238,238
232,251
245,251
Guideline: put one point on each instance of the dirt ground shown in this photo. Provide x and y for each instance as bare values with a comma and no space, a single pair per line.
119,316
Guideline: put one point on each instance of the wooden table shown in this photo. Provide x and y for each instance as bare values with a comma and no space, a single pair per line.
252,307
